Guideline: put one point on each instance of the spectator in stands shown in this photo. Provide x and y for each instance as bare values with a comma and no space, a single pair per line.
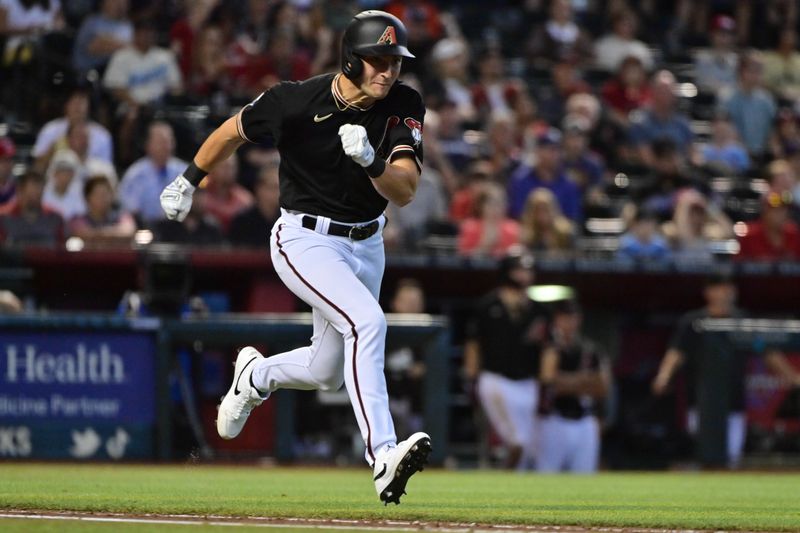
251,227
225,196
328,21
760,22
450,136
785,137
424,24
197,229
542,226
502,143
139,78
694,227
657,191
559,38
405,365
186,29
100,35
773,236
661,120
490,232
751,108
253,30
26,221
53,135
782,178
29,33
146,178
494,93
549,173
63,190
782,66
715,68
450,58
462,204
605,137
102,224
23,22
427,213
643,240
718,370
724,153
611,49
584,167
575,377
284,60
8,183
552,99
501,352
76,142
627,91
208,70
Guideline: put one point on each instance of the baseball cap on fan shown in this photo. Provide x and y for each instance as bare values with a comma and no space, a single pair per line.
7,147
723,23
549,137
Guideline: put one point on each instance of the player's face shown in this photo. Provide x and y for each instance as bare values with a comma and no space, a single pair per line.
380,73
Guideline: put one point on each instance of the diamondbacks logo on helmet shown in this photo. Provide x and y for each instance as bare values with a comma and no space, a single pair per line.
388,36
416,129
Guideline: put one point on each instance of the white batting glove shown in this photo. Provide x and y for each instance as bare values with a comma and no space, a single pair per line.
356,144
176,198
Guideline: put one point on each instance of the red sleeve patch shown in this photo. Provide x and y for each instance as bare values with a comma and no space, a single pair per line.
416,129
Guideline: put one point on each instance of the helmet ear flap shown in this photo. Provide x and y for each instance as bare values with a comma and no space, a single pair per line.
351,64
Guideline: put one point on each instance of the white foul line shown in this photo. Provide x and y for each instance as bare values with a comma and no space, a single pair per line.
200,522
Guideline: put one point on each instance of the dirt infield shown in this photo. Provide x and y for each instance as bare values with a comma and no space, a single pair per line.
310,523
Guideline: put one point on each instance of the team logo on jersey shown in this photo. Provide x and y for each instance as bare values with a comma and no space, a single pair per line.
416,130
388,36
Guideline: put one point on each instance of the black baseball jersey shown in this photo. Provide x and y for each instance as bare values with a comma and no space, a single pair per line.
581,356
510,344
714,364
303,118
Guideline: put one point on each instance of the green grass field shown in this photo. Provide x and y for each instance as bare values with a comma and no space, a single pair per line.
756,502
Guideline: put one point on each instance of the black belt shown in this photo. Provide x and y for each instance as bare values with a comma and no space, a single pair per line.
356,233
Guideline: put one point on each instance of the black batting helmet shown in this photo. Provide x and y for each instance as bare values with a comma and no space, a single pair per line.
372,33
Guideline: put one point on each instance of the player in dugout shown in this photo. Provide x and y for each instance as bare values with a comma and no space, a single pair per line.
349,143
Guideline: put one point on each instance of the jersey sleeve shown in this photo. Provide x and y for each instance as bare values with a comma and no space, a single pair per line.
259,120
685,337
405,139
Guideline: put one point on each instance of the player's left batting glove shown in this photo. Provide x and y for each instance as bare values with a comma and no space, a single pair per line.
356,144
176,198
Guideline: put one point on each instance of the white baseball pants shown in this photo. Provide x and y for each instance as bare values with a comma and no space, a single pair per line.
340,279
568,445
510,405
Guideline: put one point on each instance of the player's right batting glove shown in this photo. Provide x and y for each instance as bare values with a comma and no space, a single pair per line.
176,198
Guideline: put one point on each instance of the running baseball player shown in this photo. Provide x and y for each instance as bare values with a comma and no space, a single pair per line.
349,143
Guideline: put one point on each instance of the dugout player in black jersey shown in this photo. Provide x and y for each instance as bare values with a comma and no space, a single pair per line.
349,143
575,376
501,353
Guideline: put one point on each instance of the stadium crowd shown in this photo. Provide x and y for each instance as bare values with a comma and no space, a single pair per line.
642,130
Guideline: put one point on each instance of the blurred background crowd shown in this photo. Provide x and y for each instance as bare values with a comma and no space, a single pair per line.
640,132
634,129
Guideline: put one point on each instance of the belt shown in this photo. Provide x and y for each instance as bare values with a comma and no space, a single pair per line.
356,233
